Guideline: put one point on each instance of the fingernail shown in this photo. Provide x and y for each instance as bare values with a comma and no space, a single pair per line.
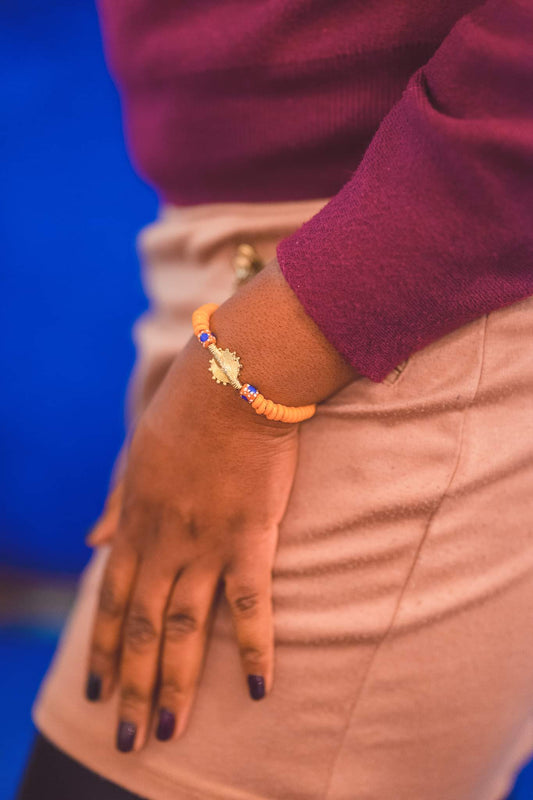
93,688
256,685
126,736
166,725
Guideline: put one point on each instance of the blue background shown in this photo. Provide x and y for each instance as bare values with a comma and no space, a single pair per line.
70,209
69,281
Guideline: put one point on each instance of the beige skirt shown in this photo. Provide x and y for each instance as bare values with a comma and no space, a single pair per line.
403,582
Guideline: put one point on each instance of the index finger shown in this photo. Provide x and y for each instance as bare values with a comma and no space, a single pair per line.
114,595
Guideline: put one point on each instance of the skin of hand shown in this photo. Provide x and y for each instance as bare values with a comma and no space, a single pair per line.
205,487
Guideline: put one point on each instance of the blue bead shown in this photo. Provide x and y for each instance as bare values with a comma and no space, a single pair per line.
252,388
204,337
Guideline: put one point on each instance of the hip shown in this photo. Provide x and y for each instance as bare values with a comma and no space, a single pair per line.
402,577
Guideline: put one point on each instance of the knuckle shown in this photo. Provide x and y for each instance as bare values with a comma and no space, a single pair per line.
104,656
170,688
187,521
137,515
253,654
132,695
238,520
180,623
192,528
244,601
109,602
140,631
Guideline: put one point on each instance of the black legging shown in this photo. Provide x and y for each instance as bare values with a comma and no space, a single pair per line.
52,775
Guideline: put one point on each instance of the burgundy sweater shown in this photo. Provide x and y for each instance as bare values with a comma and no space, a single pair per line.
415,117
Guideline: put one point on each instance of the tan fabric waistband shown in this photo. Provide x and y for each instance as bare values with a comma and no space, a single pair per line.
195,233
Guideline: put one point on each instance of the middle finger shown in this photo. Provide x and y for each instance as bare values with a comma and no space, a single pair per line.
187,623
140,653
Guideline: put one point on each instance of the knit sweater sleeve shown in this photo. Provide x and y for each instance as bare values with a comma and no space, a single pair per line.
435,227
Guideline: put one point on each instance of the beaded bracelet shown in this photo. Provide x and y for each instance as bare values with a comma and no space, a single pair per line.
225,367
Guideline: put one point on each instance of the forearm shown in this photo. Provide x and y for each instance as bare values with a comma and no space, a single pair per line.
435,227
281,349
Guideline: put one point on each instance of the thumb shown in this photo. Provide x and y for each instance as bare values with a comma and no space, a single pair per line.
105,527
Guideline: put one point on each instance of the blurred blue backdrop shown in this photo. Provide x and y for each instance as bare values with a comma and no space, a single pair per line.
70,209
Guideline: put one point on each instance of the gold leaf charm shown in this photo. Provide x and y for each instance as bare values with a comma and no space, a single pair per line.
225,366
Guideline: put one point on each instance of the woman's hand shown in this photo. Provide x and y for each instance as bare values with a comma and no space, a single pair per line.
206,485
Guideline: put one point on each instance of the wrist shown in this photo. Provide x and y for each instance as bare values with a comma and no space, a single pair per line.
215,398
281,349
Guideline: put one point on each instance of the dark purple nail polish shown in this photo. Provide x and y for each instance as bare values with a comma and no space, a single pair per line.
126,736
256,685
166,725
93,688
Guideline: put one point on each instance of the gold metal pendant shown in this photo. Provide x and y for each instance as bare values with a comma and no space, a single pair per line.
225,366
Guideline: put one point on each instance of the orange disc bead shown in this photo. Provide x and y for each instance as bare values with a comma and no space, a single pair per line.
275,411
